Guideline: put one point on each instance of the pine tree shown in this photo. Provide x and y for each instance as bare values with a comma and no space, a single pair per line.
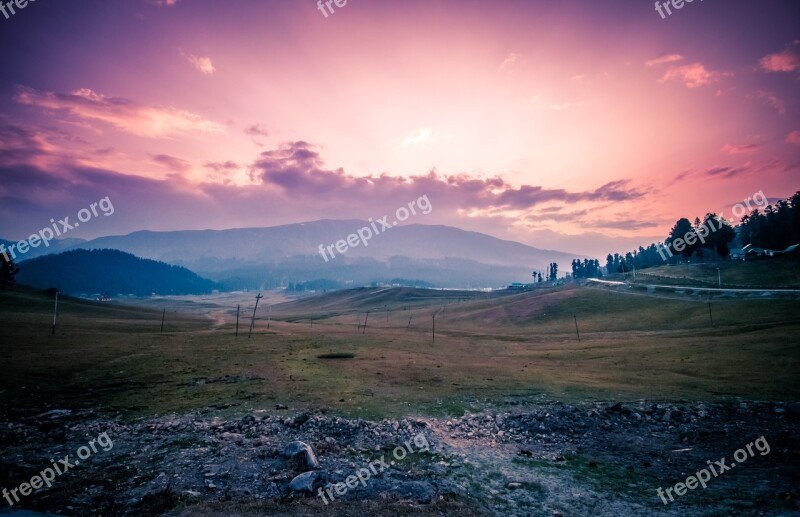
8,271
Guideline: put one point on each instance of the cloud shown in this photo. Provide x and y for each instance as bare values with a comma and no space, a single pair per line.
786,61
123,114
773,99
255,130
549,215
739,149
528,196
728,172
509,62
203,64
566,105
418,137
768,166
793,137
621,224
221,166
665,58
291,180
692,76
297,169
171,162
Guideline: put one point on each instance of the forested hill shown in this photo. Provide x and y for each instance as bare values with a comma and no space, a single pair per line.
110,272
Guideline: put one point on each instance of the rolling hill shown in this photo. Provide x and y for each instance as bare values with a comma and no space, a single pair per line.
109,271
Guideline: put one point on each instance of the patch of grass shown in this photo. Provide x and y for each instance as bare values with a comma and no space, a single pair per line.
518,347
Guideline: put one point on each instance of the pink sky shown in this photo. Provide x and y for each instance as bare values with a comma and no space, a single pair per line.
581,126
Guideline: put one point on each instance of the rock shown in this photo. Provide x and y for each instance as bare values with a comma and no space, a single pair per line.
439,469
305,482
302,452
298,420
281,406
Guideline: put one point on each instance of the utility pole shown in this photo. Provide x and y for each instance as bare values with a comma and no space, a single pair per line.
55,314
163,315
269,314
365,323
433,329
576,327
237,320
710,317
253,321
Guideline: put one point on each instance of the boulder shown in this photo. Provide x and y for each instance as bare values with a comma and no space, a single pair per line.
302,453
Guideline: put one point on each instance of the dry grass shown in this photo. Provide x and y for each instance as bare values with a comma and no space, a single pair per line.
487,350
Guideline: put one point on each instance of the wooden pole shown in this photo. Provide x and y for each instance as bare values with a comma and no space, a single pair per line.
576,327
269,314
55,314
433,328
710,317
365,323
237,320
253,321
163,315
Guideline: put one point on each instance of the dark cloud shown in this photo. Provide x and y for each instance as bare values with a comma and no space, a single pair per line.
620,224
256,130
291,184
221,166
171,162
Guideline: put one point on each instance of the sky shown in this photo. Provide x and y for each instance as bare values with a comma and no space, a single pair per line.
581,126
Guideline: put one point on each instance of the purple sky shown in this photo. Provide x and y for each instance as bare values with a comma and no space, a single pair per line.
583,126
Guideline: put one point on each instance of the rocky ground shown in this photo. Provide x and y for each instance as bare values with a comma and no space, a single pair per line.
549,459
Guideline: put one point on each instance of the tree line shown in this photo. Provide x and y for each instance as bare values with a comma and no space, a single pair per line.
777,227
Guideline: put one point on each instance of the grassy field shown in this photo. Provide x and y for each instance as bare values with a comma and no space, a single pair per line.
752,274
489,349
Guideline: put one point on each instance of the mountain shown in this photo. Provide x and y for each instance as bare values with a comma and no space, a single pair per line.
109,271
265,257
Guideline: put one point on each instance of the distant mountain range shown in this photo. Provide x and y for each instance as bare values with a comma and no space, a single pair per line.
110,272
442,256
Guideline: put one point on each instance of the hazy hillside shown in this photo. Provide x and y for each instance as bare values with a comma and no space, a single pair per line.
254,257
109,271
